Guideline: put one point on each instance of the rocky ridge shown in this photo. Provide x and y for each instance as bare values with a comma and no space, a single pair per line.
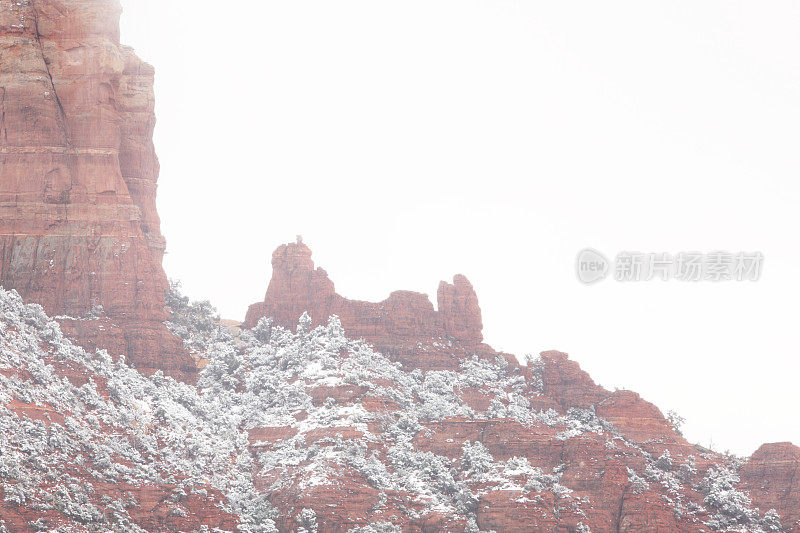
605,461
309,430
324,414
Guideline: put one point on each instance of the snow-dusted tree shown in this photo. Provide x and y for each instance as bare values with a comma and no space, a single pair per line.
194,322
475,459
308,521
676,421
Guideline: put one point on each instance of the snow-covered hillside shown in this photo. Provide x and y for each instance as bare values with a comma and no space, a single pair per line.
312,431
329,419
91,443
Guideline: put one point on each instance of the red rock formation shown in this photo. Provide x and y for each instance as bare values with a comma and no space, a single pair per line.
78,224
405,325
634,417
79,231
566,384
461,314
596,466
772,476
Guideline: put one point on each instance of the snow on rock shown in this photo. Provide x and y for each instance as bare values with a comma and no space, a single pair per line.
363,440
312,431
90,442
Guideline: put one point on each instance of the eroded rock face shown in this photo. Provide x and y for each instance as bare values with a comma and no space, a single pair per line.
79,231
461,314
405,325
772,476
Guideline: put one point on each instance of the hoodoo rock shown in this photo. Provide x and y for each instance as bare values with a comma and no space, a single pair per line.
405,325
79,231
461,315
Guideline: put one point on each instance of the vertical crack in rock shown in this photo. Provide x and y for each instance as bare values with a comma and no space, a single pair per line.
62,113
3,114
69,198
621,508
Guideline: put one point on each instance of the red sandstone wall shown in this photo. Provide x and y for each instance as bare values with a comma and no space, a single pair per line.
78,171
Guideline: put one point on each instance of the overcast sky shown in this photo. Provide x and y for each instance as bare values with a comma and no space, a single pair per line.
410,141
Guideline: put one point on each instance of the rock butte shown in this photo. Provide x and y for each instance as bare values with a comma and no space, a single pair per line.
79,231
404,325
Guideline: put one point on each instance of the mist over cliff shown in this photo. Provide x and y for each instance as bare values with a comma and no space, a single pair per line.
125,406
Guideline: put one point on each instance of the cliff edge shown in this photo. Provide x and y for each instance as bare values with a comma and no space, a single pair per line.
79,231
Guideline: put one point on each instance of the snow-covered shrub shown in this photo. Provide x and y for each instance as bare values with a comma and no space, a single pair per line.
378,527
475,459
687,471
676,421
664,462
194,322
580,421
538,481
308,521
536,367
638,484
733,508
771,522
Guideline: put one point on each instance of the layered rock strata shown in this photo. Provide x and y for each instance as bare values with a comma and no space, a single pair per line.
79,231
772,478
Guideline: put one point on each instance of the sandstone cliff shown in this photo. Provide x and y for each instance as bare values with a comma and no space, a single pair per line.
79,231
772,477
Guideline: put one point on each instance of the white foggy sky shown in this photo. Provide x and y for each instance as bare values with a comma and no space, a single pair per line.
409,141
